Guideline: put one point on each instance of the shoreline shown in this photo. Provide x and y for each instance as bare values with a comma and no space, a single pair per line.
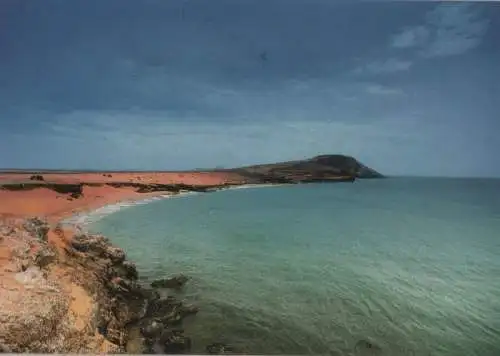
85,217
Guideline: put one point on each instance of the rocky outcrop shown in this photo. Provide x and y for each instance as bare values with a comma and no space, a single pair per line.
40,310
175,282
80,294
218,348
37,177
130,315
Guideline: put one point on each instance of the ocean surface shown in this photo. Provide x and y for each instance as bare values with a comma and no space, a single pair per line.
408,266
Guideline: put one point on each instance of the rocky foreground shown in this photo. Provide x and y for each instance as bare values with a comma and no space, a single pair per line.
71,292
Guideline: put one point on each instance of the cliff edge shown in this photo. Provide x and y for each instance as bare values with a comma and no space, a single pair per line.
66,292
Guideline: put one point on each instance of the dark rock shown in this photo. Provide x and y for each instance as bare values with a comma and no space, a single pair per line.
365,347
218,348
132,316
45,256
37,177
152,295
102,330
169,311
99,246
188,309
38,227
126,270
90,243
162,307
115,254
131,289
174,342
151,328
175,282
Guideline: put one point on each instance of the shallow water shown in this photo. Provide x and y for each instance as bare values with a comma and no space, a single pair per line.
410,265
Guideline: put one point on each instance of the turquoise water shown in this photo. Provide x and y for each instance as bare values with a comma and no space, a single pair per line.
411,265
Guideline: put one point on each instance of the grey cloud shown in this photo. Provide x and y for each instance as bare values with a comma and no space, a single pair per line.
391,65
377,89
411,37
449,29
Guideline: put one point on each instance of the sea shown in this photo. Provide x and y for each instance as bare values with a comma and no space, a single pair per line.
396,266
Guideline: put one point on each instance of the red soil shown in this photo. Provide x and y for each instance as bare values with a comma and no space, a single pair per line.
46,203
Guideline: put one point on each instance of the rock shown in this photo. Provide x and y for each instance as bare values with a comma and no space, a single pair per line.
45,256
4,348
37,177
89,243
99,246
365,347
75,195
151,328
126,270
187,309
175,282
124,286
115,254
162,307
31,276
38,227
174,342
136,343
218,348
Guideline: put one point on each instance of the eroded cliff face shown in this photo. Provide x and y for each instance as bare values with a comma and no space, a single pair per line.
41,308
68,292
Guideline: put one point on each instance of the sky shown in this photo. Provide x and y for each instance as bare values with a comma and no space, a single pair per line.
407,88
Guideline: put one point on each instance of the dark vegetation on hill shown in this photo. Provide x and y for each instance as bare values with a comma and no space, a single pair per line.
317,169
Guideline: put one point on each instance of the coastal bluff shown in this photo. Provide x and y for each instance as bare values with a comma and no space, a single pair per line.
73,292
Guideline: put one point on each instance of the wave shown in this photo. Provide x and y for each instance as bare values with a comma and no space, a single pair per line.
87,218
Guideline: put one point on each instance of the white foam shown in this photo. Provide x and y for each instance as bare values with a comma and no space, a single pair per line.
85,219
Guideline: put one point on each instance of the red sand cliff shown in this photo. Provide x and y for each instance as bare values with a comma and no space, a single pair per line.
56,206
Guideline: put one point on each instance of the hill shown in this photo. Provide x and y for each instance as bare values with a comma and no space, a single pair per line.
316,169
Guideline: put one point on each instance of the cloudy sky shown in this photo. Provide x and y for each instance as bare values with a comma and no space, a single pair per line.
407,88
